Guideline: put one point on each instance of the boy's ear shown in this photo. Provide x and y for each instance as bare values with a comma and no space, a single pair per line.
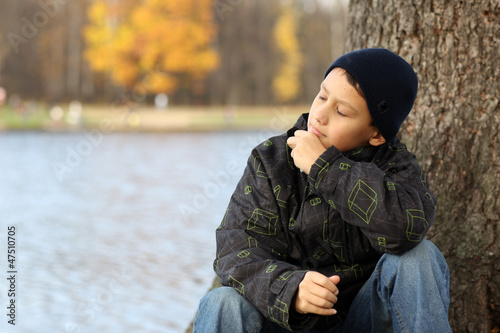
377,139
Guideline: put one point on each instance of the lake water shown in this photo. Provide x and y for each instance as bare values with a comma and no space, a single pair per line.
114,232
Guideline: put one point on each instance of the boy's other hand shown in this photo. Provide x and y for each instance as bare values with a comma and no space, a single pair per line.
317,294
306,148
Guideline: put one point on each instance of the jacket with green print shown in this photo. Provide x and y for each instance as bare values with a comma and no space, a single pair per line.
338,220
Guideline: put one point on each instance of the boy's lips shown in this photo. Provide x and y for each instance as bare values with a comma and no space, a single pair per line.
315,131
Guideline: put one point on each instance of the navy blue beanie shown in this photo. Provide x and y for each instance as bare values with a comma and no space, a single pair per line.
388,83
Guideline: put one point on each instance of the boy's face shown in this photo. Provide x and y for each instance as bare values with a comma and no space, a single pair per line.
339,116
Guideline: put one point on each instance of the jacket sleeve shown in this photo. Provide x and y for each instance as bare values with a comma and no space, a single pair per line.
252,246
390,201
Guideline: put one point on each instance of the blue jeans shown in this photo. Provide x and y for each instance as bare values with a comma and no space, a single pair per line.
405,293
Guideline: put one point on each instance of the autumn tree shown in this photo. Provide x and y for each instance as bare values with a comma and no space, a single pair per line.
454,129
286,82
152,45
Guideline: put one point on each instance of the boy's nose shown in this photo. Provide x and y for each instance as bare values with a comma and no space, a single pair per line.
321,115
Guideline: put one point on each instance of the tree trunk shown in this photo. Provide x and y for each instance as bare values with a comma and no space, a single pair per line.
74,54
453,129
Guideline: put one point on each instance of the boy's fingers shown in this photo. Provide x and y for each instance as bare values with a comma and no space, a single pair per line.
321,302
324,282
292,142
314,304
335,280
299,133
314,295
323,298
322,287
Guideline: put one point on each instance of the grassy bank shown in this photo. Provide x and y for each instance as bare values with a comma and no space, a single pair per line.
148,119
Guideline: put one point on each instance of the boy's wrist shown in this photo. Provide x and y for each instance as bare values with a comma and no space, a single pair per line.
322,164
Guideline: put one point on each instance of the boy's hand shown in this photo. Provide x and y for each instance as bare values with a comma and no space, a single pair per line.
317,294
306,148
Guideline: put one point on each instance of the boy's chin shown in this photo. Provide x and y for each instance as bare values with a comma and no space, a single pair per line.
325,144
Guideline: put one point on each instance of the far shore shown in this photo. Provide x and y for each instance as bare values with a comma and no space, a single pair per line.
149,119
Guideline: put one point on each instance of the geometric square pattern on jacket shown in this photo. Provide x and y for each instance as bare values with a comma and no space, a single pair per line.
363,201
263,222
411,216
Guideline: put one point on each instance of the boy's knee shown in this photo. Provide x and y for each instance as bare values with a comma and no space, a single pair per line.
425,257
224,309
425,250
222,297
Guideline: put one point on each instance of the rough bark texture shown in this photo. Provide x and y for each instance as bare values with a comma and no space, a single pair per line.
454,46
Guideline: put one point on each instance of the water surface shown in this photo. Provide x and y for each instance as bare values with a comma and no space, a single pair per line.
115,232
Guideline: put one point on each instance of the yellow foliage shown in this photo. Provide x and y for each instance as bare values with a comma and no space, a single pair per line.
157,82
286,83
169,38
97,12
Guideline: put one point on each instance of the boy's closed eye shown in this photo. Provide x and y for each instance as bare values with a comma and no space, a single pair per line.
340,113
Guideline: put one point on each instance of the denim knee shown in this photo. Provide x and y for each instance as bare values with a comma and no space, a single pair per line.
424,261
414,288
223,297
225,310
424,250
425,253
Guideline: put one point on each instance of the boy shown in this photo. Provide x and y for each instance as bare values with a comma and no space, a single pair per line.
325,230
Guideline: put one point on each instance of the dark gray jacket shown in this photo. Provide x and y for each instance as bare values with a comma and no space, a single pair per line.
339,220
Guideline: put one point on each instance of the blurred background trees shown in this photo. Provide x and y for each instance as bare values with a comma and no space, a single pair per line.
151,45
236,52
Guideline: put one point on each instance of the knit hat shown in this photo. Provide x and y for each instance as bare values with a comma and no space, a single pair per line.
388,83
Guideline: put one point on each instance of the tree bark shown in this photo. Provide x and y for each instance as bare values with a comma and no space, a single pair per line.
74,54
454,130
